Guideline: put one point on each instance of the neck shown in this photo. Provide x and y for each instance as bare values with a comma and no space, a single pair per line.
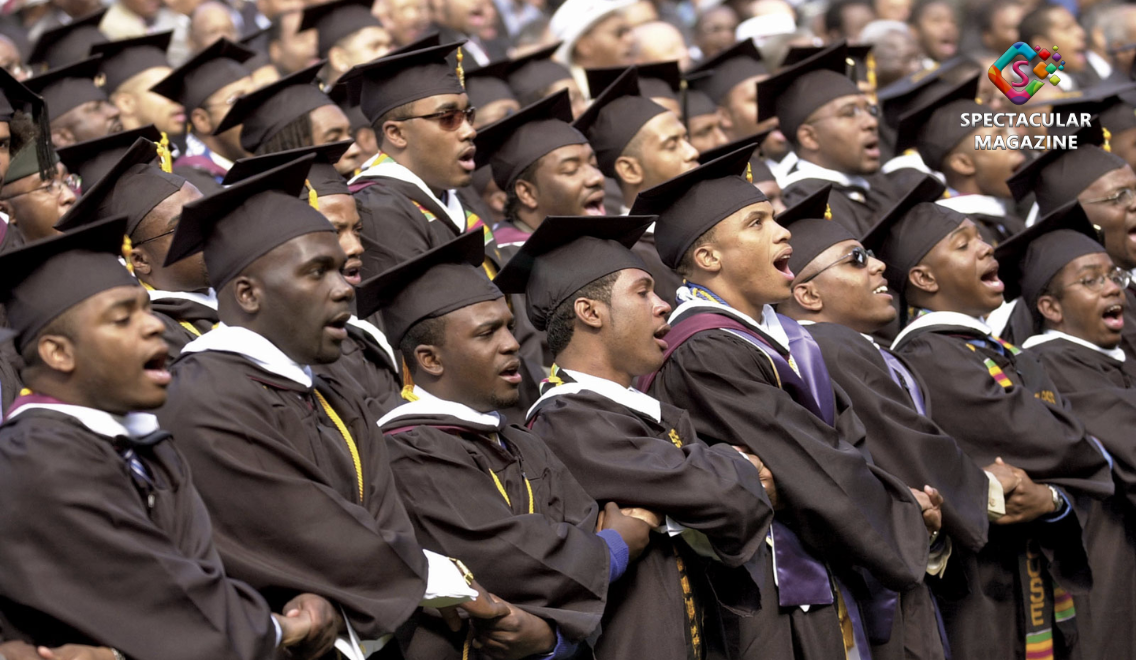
529,222
403,158
965,185
216,146
629,193
67,393
592,360
946,306
732,297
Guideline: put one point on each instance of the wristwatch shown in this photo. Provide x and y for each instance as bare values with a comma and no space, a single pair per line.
117,654
1058,501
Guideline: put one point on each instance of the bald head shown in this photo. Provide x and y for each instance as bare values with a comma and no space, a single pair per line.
661,42
211,21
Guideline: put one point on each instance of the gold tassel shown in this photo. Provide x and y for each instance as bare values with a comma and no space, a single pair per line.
127,248
827,212
870,63
313,198
407,384
164,154
460,70
1107,136
749,173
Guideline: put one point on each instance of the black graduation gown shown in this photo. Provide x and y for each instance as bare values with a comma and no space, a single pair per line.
179,315
1040,436
364,362
10,383
1102,392
845,509
912,447
86,561
625,456
281,486
549,562
667,281
855,208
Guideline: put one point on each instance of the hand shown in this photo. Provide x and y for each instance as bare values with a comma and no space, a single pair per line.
1029,501
516,635
646,515
326,624
68,652
1004,474
763,473
20,651
634,532
293,629
930,503
485,606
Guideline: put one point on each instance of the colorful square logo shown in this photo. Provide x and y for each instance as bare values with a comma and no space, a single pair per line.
1023,89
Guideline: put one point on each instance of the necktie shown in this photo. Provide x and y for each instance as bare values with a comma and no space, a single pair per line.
904,379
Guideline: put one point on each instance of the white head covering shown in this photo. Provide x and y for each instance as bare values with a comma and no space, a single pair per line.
576,17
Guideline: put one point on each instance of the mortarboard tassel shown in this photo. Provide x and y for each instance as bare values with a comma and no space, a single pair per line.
407,383
460,70
164,156
1107,136
827,212
870,75
684,90
313,198
127,248
749,173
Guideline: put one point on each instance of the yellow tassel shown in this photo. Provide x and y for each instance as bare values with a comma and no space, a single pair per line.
460,70
127,248
870,63
1107,136
164,154
827,212
749,173
407,384
946,194
313,198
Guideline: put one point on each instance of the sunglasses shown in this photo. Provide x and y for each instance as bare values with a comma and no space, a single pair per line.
448,120
858,257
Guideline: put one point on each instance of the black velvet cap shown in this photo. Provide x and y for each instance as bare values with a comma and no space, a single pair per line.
935,128
262,113
244,222
337,19
693,202
511,144
856,61
530,75
727,69
753,141
404,77
812,232
67,87
799,90
1059,175
257,42
133,187
433,284
1028,261
564,254
45,278
910,229
615,117
322,175
657,80
487,84
348,102
92,159
70,43
1114,104
126,58
192,83
910,92
14,96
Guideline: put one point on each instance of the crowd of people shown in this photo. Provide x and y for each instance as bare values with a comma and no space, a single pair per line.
453,329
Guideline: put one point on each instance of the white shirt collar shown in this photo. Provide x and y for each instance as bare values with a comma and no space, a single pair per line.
625,396
134,425
911,161
208,299
781,170
870,338
769,324
392,170
1049,335
981,204
1099,64
428,404
253,346
942,318
806,170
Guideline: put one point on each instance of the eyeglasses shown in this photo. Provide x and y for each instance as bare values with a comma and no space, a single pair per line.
153,238
55,186
856,111
1122,197
448,120
858,257
1118,276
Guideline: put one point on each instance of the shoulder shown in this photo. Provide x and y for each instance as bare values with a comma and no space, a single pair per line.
47,452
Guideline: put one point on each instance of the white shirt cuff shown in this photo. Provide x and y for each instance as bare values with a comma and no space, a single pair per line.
995,498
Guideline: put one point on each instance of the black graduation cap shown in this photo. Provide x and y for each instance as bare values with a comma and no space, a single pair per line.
734,65
693,202
1029,260
45,278
404,77
564,254
914,89
813,229
797,91
244,222
67,87
126,58
133,186
262,113
1058,175
910,229
257,42
487,84
752,141
693,101
532,74
322,176
70,43
933,128
14,96
511,144
192,83
336,20
857,60
348,102
433,284
615,117
92,159
657,80
1114,104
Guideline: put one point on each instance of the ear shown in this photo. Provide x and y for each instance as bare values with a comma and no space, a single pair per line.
202,124
429,360
808,298
706,258
247,293
57,352
140,261
628,170
337,59
62,137
588,313
807,137
923,279
526,194
394,134
1050,308
961,162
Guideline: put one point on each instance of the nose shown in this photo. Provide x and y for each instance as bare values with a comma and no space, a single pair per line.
984,249
690,154
875,266
595,177
510,345
341,290
661,306
152,326
467,131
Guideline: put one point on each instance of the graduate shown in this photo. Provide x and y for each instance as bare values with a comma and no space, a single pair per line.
80,458
91,160
735,375
833,130
488,90
841,296
730,82
1076,294
152,201
77,109
536,76
68,43
699,114
32,202
347,34
906,168
129,68
290,464
999,405
1115,105
595,299
659,81
367,357
493,494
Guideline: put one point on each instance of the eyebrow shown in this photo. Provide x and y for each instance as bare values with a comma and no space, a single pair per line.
958,230
646,279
